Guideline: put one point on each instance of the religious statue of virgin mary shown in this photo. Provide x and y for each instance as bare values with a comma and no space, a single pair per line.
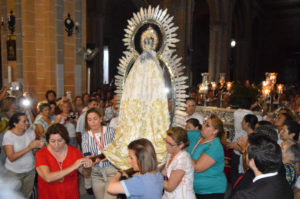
141,85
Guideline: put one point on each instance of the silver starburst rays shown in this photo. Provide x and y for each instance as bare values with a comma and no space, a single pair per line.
165,53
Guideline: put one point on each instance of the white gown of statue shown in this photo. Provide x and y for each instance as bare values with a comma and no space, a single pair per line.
143,110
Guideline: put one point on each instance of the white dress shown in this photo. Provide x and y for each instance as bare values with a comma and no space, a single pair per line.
184,190
143,111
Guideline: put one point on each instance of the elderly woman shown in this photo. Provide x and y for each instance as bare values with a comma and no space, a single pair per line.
290,156
18,142
94,140
57,165
43,121
148,182
179,169
208,159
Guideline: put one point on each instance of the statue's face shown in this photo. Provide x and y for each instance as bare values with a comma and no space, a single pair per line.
149,39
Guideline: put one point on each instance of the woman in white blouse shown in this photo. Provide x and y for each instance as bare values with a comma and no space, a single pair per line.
179,170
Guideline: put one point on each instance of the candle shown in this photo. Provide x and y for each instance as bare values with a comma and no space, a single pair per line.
214,85
279,88
9,74
266,91
264,83
229,84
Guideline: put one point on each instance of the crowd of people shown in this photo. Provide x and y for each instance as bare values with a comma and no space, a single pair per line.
53,141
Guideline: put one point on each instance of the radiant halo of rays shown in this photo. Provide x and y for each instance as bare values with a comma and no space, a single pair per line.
166,54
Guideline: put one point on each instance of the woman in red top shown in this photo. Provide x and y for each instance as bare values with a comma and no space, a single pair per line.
57,166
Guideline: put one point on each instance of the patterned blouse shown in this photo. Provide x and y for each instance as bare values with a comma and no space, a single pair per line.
290,173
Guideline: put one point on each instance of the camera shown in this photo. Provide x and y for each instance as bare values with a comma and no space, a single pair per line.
71,116
14,86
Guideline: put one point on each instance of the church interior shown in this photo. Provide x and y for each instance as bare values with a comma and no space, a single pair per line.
39,50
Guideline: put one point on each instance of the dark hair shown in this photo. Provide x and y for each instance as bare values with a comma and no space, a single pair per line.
194,122
75,99
191,99
58,129
265,123
287,111
42,106
54,103
265,152
48,92
179,135
293,127
217,124
15,118
92,110
267,130
145,154
287,116
84,94
92,100
251,120
7,102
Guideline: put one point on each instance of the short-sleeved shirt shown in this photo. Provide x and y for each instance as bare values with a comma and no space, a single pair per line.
80,123
58,190
182,161
195,116
146,186
213,179
44,124
26,162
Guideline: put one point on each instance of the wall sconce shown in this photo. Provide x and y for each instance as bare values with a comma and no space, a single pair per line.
69,24
11,22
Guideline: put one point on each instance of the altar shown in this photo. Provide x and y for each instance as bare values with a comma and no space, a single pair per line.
225,114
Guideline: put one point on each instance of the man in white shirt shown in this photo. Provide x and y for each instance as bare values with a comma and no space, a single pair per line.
191,110
111,111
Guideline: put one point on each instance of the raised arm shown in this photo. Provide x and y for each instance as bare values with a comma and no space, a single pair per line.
12,155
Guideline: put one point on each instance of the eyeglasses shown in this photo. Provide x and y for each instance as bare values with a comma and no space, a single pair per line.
170,144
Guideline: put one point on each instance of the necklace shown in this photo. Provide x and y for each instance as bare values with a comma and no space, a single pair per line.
201,143
60,167
100,147
60,163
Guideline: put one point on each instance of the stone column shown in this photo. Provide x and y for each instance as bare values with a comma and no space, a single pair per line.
3,43
220,37
78,48
19,41
59,8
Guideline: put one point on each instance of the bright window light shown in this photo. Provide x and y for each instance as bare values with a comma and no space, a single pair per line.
105,64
